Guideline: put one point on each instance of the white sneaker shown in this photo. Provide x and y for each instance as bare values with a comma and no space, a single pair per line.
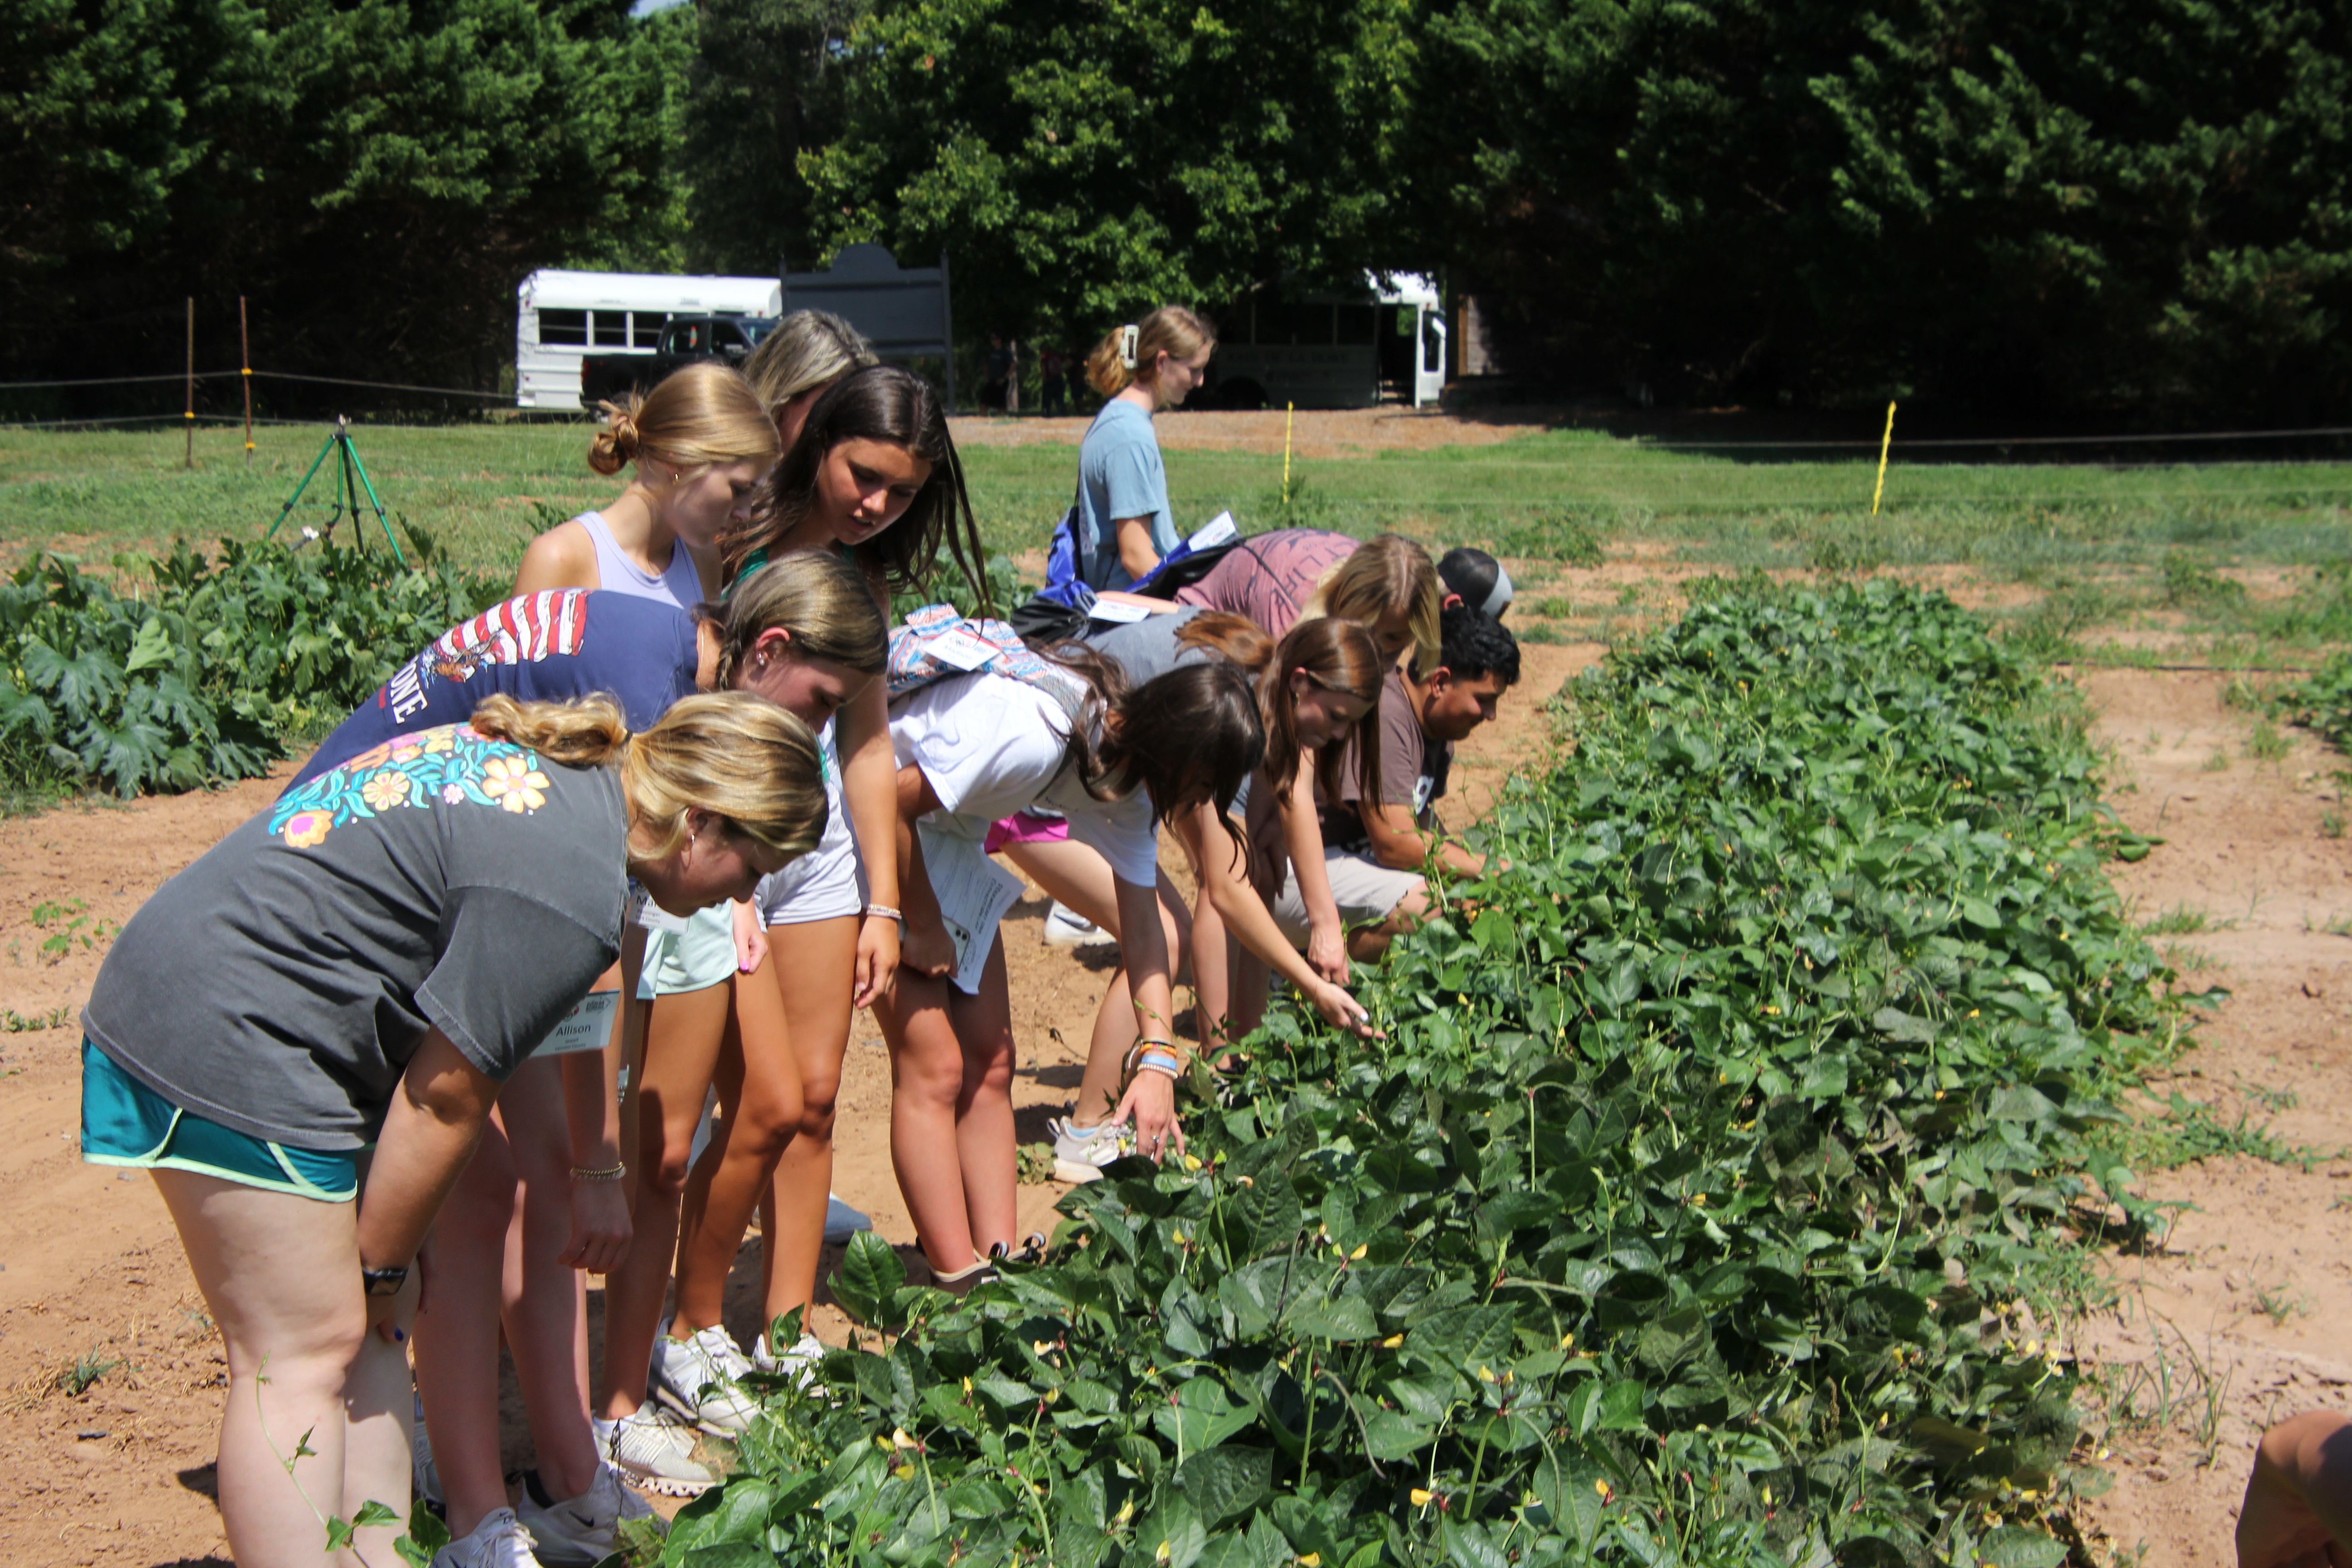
498,1541
799,1363
841,1222
424,1477
580,1530
1081,1152
1064,927
654,1453
697,1378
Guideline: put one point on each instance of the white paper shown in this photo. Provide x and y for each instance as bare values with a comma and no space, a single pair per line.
587,1027
973,892
1115,611
961,648
1215,531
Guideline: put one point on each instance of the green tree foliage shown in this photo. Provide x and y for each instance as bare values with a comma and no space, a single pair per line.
1079,161
769,81
377,175
2089,204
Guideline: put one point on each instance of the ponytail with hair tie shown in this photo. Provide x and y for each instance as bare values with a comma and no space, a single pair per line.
1126,336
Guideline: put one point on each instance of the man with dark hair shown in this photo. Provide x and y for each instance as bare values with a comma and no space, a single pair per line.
1377,852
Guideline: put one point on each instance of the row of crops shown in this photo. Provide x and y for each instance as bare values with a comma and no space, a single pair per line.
174,672
1682,1218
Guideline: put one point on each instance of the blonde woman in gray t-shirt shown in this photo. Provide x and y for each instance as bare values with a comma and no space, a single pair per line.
301,1034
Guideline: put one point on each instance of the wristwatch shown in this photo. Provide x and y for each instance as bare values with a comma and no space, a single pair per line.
384,1282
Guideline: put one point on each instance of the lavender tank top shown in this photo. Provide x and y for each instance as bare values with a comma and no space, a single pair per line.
679,585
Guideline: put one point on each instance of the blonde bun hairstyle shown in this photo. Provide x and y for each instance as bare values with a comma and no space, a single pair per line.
702,415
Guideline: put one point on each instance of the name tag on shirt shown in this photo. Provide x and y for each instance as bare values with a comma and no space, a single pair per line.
1215,531
653,917
1114,612
959,647
586,1027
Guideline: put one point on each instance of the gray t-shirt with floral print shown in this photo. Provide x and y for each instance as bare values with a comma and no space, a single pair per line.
441,879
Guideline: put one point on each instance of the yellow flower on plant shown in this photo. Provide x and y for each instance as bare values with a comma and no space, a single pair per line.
386,790
305,828
514,784
1422,1498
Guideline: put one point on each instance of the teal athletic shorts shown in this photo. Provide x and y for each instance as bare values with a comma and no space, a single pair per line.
124,1123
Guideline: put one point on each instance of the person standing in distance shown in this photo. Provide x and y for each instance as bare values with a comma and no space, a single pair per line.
1123,524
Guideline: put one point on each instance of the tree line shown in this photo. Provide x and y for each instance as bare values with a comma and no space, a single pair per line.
2134,207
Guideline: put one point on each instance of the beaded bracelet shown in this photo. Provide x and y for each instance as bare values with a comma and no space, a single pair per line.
884,910
1142,1054
607,1173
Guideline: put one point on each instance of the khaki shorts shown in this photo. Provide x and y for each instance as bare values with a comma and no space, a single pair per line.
1366,891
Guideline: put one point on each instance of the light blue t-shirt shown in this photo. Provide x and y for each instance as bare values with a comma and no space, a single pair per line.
1120,475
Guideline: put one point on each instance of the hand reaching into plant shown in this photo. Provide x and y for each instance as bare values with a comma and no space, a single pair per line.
1151,1104
1327,953
1342,1011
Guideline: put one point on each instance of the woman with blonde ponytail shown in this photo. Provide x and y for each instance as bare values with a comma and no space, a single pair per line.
301,1037
700,442
1122,523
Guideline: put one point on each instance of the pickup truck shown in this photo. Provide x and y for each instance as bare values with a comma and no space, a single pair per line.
604,377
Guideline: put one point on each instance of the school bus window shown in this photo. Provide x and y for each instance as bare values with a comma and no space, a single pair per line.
610,329
563,328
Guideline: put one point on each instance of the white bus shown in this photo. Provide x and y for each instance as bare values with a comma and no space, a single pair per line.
1330,350
561,316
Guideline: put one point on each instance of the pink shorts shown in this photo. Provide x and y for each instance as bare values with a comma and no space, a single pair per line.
1025,827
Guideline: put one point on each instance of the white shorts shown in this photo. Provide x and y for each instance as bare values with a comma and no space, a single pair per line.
1366,891
823,884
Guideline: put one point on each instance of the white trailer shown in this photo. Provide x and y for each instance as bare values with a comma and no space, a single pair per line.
1331,350
561,316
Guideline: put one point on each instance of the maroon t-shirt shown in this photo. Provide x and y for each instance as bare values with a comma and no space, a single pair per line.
1269,577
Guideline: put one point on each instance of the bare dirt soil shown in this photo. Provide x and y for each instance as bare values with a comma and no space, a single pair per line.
2238,1317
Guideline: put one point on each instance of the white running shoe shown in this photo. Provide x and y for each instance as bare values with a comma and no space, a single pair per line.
424,1478
799,1363
582,1530
697,1378
1064,927
1081,1152
498,1541
653,1452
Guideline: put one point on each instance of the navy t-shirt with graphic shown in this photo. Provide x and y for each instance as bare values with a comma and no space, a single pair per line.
547,647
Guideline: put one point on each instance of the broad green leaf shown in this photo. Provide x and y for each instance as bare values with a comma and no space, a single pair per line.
868,1279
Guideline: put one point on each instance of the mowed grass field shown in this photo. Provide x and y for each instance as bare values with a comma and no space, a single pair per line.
2244,558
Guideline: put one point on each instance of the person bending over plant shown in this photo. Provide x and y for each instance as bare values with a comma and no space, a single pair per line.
1378,854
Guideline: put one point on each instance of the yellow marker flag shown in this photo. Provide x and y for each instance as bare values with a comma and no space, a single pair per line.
1884,442
1290,413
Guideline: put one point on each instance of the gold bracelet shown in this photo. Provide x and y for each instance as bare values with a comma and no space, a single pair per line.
608,1174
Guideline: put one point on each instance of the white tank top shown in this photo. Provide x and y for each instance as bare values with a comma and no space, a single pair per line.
679,585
